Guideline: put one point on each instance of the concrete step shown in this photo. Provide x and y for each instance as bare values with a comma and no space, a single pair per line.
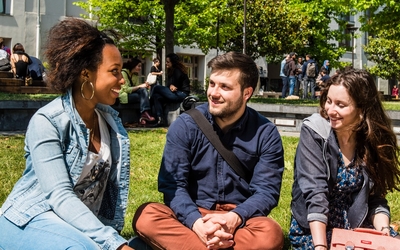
11,82
6,74
13,85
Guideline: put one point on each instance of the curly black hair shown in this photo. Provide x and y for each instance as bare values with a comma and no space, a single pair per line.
72,46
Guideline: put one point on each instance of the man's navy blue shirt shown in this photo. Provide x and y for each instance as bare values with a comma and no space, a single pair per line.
193,174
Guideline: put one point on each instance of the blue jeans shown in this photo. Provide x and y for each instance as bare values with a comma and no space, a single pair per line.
142,96
299,82
163,95
292,83
285,83
309,85
45,231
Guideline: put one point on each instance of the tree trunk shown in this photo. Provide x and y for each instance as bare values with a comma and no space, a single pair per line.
169,8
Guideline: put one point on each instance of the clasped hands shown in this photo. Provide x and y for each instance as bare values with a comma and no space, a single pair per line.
216,230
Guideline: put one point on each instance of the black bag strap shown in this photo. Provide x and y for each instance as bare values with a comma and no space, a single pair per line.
209,132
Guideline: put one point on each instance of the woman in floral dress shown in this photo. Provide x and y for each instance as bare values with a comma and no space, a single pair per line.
346,163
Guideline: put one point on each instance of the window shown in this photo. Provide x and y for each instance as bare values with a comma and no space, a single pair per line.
2,6
191,63
347,43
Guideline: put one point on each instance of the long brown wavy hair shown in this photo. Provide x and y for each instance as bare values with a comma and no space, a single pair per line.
176,63
376,143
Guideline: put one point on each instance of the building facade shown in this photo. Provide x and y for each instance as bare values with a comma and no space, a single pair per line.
28,21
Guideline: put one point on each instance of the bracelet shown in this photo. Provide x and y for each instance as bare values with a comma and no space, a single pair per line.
387,227
320,245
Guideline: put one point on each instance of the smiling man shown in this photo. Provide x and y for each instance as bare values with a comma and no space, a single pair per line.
208,205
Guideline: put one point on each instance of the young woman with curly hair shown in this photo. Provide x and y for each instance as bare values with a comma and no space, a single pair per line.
73,192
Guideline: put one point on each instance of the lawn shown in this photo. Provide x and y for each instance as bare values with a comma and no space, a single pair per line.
146,153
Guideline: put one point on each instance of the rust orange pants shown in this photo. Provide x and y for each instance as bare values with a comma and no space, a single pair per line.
158,226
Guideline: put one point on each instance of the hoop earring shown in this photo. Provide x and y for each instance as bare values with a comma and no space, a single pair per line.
91,84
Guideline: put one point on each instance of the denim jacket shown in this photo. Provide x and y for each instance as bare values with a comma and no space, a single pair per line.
56,146
316,166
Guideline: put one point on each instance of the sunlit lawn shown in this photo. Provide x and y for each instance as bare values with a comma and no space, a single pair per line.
146,153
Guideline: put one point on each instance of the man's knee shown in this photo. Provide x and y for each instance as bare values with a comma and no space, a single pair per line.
140,219
149,213
262,233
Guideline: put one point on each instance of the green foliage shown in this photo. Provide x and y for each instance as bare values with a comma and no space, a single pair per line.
273,28
386,55
140,24
206,24
382,22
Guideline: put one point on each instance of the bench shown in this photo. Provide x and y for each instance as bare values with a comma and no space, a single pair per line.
130,112
9,84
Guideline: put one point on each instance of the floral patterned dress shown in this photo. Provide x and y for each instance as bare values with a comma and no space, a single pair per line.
349,180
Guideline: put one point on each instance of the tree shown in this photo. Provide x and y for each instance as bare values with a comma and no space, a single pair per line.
382,21
139,24
274,28
145,26
169,8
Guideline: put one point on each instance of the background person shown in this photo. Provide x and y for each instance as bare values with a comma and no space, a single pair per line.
206,203
292,72
309,74
177,86
341,182
156,70
4,58
326,66
395,91
299,78
132,91
36,68
285,79
73,192
4,47
19,61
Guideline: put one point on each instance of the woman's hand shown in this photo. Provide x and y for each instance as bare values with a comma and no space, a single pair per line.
145,85
173,88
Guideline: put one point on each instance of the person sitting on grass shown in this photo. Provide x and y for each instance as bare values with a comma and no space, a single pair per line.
73,193
346,162
208,205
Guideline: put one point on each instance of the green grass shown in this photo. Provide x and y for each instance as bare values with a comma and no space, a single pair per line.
146,152
27,97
